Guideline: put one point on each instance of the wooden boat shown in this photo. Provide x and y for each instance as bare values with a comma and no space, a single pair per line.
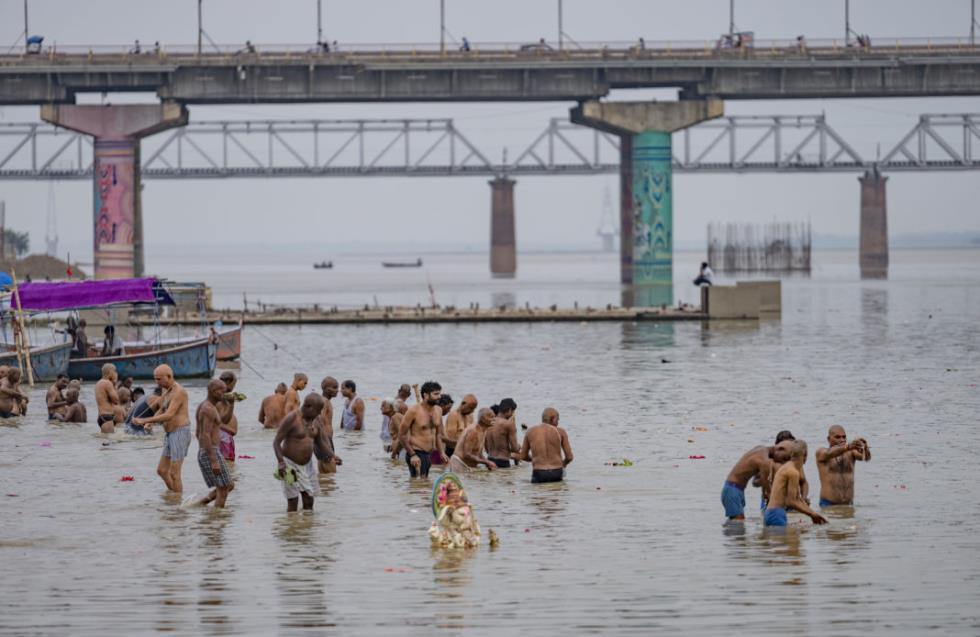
323,265
195,359
229,344
47,362
401,264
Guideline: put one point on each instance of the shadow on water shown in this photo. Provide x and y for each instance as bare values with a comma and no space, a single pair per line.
301,570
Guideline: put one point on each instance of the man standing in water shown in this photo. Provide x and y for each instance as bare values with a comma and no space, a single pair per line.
273,408
106,399
501,441
457,421
173,413
468,454
209,457
547,447
391,422
756,462
55,398
329,387
300,432
353,414
786,489
836,466
74,411
420,431
401,398
292,396
229,422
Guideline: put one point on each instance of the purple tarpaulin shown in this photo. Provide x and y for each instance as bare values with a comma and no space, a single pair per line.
52,297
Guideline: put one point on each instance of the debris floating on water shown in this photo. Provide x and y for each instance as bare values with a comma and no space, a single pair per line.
127,479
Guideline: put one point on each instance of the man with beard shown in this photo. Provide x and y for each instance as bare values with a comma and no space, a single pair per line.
420,431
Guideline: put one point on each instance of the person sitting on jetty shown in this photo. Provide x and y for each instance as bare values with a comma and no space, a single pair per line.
292,394
706,276
468,454
419,431
55,398
836,466
353,415
755,462
501,440
273,407
547,448
75,411
300,432
107,400
786,489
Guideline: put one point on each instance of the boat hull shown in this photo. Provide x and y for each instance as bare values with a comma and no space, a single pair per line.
229,345
190,360
47,362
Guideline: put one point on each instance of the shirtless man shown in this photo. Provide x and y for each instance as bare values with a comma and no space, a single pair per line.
273,408
457,421
391,422
107,399
468,454
329,388
13,402
173,413
55,398
501,441
756,462
292,395
209,457
419,431
401,398
229,422
547,447
353,414
125,400
80,346
836,466
74,411
786,489
300,432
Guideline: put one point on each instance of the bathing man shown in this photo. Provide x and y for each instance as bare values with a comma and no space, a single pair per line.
107,399
174,415
547,447
301,430
786,489
836,466
468,454
756,462
273,408
419,431
213,467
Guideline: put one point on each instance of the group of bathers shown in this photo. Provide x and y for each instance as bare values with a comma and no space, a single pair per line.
733,499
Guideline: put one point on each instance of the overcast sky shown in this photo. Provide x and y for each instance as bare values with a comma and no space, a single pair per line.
550,210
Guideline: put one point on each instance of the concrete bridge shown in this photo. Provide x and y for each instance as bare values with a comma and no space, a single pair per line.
704,74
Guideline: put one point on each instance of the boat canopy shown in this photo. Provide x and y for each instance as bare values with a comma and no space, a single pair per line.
74,295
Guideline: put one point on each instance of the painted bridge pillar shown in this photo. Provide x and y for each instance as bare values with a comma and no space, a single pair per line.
503,235
118,216
873,255
646,186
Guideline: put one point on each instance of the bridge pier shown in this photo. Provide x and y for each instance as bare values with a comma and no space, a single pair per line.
873,256
117,213
503,235
646,186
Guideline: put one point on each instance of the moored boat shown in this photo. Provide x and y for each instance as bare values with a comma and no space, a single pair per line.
229,344
195,359
46,362
402,264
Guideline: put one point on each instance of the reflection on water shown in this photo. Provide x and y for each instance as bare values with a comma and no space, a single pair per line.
647,295
611,550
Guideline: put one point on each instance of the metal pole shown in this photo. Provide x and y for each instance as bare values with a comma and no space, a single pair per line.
442,26
731,17
26,30
847,22
973,22
319,22
561,30
3,230
200,30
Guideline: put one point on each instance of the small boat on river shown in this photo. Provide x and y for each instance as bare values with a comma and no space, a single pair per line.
402,264
323,265
229,343
188,360
46,362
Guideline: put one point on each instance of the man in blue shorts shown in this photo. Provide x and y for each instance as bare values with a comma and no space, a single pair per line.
786,490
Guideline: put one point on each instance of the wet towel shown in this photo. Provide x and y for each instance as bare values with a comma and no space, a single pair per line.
307,479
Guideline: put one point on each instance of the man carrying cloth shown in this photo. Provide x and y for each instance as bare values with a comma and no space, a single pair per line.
301,430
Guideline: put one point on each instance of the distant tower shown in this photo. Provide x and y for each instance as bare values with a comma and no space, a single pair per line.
608,230
51,234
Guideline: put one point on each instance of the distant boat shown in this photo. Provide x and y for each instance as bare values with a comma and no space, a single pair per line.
400,264
323,265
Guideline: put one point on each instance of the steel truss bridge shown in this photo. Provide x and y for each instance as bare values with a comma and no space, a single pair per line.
437,148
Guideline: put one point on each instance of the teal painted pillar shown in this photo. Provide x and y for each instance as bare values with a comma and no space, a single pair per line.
653,220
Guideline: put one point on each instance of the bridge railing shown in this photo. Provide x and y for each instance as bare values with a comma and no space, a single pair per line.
428,51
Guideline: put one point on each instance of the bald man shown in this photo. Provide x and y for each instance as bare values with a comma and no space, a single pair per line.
209,457
299,434
785,492
457,421
273,407
547,447
174,415
329,387
468,454
292,394
107,399
836,466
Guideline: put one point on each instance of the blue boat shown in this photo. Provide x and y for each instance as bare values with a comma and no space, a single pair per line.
190,360
46,362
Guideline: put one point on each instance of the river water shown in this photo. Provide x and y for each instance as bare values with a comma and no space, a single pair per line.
612,550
